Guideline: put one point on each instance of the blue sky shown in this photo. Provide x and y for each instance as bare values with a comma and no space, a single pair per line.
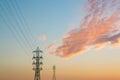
44,17
52,18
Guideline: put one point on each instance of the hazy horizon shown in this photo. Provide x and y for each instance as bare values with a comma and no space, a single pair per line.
58,28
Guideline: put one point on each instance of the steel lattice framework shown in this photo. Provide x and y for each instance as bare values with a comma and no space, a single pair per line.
37,63
54,76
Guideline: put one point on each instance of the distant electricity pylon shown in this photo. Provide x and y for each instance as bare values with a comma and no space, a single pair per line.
37,63
54,69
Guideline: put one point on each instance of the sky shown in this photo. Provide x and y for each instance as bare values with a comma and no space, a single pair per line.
26,24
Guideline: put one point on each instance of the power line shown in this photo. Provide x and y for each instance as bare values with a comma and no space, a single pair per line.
18,22
25,22
12,28
13,34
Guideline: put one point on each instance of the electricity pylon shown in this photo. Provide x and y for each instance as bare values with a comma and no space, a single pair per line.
54,76
37,63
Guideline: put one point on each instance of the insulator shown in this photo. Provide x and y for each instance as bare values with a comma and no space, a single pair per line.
33,57
33,63
41,63
33,68
41,57
41,68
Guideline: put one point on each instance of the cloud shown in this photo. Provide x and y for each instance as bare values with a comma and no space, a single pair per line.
100,26
42,38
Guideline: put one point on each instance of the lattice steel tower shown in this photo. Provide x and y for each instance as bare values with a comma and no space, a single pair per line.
54,69
37,63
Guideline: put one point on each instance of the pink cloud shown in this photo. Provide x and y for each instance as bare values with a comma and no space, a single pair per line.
100,26
42,38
